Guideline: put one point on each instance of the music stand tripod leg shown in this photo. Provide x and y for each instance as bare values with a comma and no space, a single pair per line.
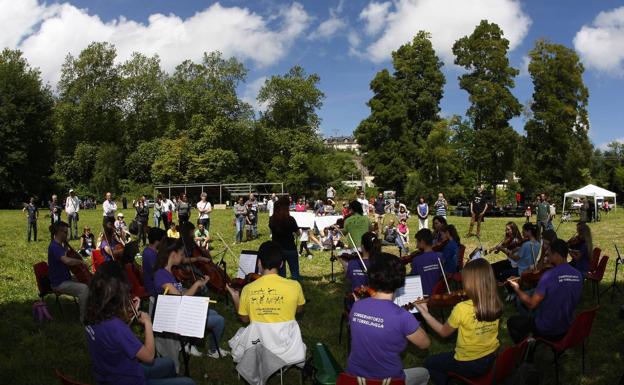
614,284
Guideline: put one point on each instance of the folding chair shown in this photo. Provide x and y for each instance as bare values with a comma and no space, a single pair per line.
347,379
326,367
136,288
44,287
65,380
576,335
593,262
595,277
96,259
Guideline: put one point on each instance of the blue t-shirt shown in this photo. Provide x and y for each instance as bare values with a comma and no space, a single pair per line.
450,254
562,287
113,348
426,265
149,262
162,277
378,337
356,274
58,272
527,256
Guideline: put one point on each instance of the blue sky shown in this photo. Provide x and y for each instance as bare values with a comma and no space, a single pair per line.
345,42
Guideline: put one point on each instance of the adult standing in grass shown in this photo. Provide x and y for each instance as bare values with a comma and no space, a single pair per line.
58,267
380,210
252,207
356,224
158,211
441,206
183,209
72,206
109,207
142,217
478,207
423,214
543,214
204,208
283,229
55,210
32,214
240,213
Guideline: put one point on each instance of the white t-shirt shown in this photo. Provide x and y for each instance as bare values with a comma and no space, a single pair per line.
109,208
365,205
72,205
204,206
270,205
167,206
330,192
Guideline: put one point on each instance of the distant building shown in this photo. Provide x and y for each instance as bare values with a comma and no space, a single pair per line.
344,143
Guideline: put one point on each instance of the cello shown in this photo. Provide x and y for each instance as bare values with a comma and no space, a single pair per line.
80,271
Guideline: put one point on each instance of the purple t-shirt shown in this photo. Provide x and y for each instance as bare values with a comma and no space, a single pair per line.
378,336
103,244
161,277
356,274
149,261
113,349
561,287
426,265
58,272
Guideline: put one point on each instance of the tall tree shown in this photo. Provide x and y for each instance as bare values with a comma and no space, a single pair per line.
26,126
557,143
489,81
404,109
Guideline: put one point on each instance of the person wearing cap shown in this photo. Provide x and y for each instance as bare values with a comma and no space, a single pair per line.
121,228
72,206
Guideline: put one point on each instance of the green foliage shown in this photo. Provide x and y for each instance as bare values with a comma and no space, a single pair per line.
108,166
25,129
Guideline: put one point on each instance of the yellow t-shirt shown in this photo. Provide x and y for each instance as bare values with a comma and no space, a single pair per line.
271,298
173,234
475,339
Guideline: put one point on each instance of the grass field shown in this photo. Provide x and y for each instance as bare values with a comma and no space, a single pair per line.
30,353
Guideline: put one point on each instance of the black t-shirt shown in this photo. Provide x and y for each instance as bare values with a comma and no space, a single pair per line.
88,242
380,206
478,203
283,232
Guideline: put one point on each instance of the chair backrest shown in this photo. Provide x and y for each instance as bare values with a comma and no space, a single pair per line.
460,257
507,361
96,259
602,266
41,276
593,262
347,379
65,380
326,367
579,330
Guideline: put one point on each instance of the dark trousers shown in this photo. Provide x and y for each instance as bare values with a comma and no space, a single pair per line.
32,226
165,220
520,326
303,245
438,365
183,218
292,258
142,233
72,220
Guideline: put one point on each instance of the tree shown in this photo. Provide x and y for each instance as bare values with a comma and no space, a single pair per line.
488,82
108,166
26,126
404,109
557,144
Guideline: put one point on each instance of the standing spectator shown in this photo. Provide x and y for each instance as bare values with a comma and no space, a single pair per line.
109,207
423,214
254,213
72,206
250,218
142,217
441,206
319,207
204,208
271,204
331,193
284,227
478,207
543,214
380,210
32,214
167,212
157,211
402,214
124,202
240,212
183,209
356,224
363,202
55,210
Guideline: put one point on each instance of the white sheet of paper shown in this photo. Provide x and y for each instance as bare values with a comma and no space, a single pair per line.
304,220
246,263
166,314
324,222
192,315
410,292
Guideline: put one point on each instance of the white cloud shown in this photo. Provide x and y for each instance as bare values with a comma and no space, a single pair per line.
250,93
605,146
601,45
329,27
375,15
447,21
524,66
63,28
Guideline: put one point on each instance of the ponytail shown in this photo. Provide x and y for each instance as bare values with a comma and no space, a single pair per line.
371,243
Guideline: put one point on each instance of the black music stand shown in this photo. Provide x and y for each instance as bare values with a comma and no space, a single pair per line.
333,259
614,284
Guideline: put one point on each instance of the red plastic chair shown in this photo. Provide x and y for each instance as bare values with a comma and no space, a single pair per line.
593,262
136,289
460,257
65,380
595,276
43,284
576,335
503,367
347,379
96,259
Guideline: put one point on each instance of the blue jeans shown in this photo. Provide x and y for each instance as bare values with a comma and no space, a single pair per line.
216,322
157,222
292,258
32,226
438,365
162,372
240,225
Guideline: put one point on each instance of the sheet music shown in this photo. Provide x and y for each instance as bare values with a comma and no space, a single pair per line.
304,220
166,314
192,316
410,292
247,262
324,222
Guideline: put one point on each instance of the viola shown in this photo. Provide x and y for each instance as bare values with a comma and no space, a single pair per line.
407,259
80,271
440,245
217,276
347,256
239,283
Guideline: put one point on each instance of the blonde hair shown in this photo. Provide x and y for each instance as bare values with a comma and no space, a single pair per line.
481,288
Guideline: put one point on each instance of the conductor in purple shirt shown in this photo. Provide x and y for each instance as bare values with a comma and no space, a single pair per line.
427,264
554,300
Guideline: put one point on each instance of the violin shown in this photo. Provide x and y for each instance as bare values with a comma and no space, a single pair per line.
80,271
346,256
407,259
575,241
357,294
239,283
439,247
439,300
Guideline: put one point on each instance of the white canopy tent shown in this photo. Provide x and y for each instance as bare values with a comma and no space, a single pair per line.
590,191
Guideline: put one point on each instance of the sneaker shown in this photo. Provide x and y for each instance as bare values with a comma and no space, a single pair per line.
192,350
215,354
310,257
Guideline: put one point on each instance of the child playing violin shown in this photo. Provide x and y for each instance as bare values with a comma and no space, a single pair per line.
477,323
355,273
117,355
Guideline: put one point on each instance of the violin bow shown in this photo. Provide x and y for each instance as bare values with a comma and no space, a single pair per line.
448,289
358,252
227,247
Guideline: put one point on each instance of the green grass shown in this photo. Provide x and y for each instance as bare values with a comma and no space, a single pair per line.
30,353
